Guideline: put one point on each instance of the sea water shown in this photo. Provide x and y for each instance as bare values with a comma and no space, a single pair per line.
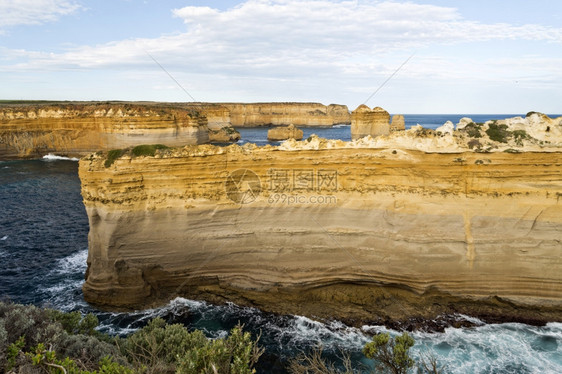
43,252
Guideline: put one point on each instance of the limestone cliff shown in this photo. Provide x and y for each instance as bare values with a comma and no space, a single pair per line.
82,128
363,231
375,122
226,134
284,133
284,114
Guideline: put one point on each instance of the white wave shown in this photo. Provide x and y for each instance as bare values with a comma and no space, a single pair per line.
502,348
72,264
4,238
340,125
51,157
508,347
474,320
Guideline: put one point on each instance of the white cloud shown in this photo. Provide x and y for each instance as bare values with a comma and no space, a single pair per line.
287,35
32,12
311,42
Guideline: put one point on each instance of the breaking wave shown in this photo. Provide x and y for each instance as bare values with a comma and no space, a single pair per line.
51,157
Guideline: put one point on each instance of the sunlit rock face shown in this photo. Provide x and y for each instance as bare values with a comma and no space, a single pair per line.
284,133
28,131
413,224
284,114
375,122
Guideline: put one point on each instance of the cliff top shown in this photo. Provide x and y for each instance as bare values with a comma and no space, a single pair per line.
534,133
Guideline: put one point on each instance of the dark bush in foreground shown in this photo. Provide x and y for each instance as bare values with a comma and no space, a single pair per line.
35,340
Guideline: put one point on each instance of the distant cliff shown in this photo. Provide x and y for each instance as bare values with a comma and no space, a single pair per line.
410,225
284,114
75,129
28,131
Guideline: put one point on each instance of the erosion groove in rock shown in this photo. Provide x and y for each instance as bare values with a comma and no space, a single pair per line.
338,230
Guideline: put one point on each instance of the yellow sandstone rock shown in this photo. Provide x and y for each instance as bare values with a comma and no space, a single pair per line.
284,133
376,122
406,225
79,129
284,114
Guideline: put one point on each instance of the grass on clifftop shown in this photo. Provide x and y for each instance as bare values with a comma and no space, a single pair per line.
147,149
138,151
113,155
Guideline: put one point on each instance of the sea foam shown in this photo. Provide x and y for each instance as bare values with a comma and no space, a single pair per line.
51,157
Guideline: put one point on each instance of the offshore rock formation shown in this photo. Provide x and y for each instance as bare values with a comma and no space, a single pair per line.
284,114
376,122
28,131
227,134
78,128
412,224
284,133
398,123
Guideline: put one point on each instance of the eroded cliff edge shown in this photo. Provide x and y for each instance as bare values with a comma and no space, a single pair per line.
361,231
34,129
76,129
284,114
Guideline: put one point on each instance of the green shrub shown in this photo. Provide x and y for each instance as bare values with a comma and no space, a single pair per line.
236,354
113,155
34,340
147,149
75,322
519,135
391,353
498,133
159,344
473,130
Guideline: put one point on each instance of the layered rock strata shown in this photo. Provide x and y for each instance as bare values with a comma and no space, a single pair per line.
375,122
398,123
358,231
227,134
284,114
284,133
28,131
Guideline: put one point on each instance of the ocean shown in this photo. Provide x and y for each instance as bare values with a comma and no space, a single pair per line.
43,251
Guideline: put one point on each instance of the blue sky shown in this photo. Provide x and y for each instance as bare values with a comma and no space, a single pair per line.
468,56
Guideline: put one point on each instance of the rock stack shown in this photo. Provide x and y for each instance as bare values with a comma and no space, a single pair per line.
284,133
375,122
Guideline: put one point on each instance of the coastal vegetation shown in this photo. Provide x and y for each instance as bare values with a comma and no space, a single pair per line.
36,340
138,151
498,133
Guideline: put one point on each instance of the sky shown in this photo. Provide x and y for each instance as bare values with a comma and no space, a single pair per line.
436,56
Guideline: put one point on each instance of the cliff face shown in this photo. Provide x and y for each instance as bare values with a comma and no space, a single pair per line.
329,229
79,129
284,133
375,122
284,114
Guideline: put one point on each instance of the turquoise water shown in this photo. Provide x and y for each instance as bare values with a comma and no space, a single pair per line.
43,251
